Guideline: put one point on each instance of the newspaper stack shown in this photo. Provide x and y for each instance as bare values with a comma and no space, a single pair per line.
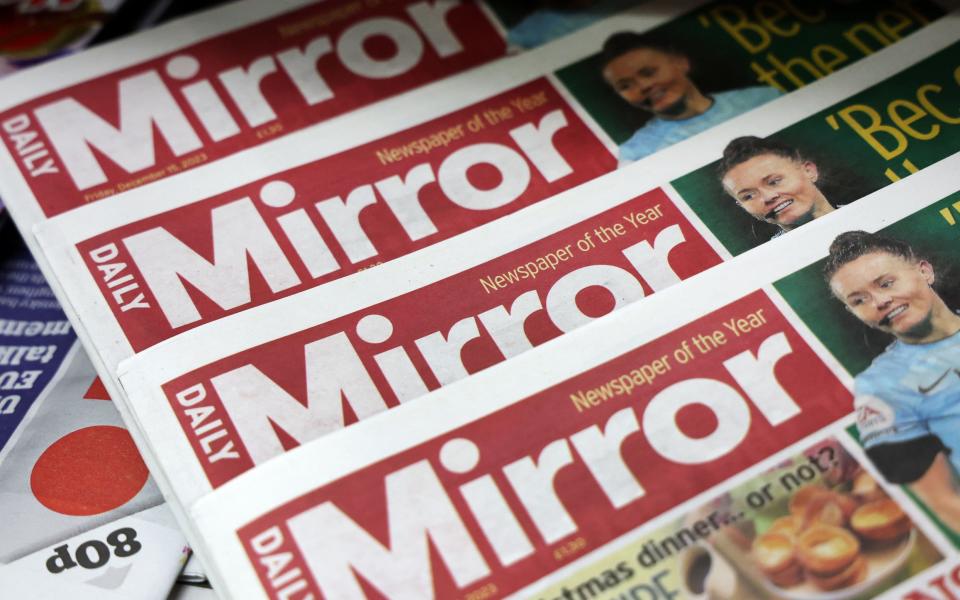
51,507
618,365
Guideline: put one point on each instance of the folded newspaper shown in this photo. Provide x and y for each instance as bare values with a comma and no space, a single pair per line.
243,288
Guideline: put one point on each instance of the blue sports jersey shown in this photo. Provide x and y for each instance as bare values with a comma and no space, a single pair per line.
660,133
912,390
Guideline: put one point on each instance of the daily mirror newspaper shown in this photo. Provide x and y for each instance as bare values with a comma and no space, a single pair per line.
782,425
411,171
220,399
196,80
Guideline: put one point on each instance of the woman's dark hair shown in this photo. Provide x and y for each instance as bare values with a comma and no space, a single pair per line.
622,42
851,245
744,148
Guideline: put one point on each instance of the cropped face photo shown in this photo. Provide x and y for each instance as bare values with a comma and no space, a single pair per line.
887,292
651,80
775,189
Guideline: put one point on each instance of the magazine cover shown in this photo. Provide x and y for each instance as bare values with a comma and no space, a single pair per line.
34,333
34,32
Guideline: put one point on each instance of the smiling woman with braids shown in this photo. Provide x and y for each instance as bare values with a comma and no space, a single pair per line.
908,399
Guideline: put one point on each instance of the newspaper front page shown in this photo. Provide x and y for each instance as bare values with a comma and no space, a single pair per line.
782,425
34,334
218,400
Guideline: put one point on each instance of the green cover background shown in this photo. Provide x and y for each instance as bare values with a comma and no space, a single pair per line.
850,169
719,62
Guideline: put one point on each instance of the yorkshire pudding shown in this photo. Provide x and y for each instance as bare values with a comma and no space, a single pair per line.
852,575
826,510
774,552
804,497
789,525
866,488
789,577
826,550
880,521
827,507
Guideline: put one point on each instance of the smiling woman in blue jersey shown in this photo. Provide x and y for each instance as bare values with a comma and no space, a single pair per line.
908,399
654,76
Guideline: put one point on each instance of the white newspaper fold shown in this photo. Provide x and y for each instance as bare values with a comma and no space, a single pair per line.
346,195
215,401
509,480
